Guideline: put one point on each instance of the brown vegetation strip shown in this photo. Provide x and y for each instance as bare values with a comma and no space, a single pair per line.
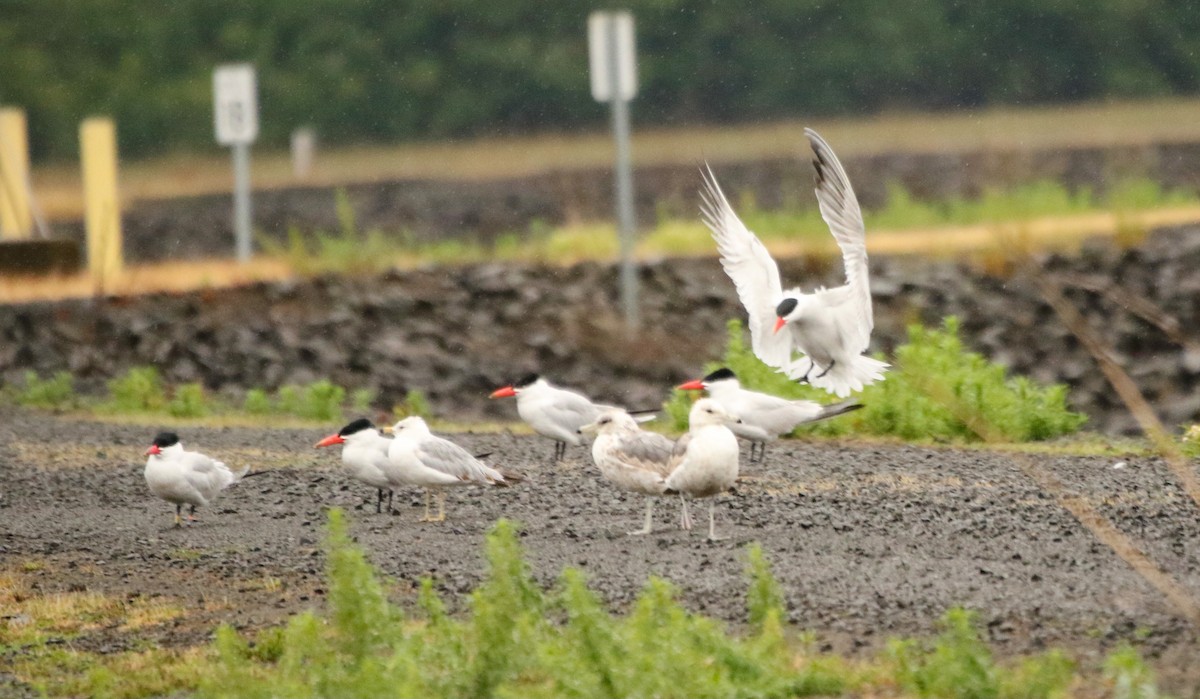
997,130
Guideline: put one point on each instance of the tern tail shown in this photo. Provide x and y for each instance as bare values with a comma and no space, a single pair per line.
844,378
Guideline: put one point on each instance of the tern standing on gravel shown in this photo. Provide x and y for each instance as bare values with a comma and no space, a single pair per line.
831,327
365,454
763,417
185,477
553,412
631,458
418,457
705,460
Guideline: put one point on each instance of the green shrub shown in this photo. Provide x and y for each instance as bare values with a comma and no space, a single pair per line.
960,666
256,402
139,390
55,393
517,641
322,400
189,401
1130,677
362,400
936,390
415,405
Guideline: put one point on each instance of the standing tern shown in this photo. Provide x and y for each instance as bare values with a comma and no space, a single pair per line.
705,460
365,454
553,412
185,477
830,327
763,417
631,458
416,456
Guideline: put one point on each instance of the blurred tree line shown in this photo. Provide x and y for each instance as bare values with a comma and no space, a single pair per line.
374,70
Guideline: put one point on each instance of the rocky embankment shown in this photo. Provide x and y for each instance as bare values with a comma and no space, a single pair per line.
458,333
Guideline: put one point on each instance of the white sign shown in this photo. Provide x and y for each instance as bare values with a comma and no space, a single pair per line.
610,45
235,104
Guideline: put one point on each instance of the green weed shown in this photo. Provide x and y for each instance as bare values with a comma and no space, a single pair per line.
1129,676
256,402
55,393
362,399
415,404
189,401
933,392
959,665
139,390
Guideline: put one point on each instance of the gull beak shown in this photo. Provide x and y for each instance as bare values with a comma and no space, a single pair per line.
506,392
387,429
330,441
693,385
590,428
153,450
779,323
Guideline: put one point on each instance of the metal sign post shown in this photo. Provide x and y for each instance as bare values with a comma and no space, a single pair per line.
235,111
613,67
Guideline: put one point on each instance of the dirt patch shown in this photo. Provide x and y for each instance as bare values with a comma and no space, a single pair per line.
868,541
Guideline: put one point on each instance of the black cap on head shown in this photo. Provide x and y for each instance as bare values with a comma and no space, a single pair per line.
525,380
785,307
358,425
720,374
165,439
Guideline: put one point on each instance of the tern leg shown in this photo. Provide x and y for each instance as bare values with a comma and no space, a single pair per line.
178,519
712,522
828,368
192,513
648,525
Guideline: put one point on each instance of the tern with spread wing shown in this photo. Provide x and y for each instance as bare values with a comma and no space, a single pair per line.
704,462
553,412
763,416
631,458
185,477
831,328
365,455
416,456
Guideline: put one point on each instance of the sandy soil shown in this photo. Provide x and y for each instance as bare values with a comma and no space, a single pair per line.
868,540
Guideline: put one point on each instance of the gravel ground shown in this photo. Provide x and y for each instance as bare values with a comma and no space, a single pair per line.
868,540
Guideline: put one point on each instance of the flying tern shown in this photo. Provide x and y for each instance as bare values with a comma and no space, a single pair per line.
831,328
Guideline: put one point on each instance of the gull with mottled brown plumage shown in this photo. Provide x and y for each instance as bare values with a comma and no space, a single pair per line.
630,458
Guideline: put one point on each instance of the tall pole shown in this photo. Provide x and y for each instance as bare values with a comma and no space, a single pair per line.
241,200
623,176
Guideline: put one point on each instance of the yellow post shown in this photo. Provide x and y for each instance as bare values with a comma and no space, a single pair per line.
102,209
16,217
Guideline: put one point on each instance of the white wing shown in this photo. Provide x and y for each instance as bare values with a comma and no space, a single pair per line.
839,208
752,270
